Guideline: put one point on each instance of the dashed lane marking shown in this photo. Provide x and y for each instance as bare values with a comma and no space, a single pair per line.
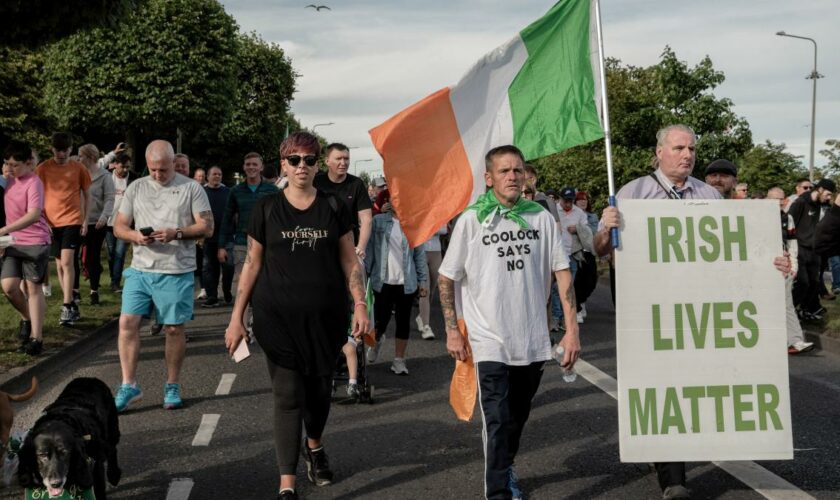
225,384
179,489
758,478
205,429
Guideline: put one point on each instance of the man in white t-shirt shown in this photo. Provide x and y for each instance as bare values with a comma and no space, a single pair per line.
503,251
169,211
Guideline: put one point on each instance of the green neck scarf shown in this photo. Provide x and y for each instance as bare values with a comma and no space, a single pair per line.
487,205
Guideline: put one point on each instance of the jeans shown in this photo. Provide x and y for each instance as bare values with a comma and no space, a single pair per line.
834,265
211,269
556,305
116,257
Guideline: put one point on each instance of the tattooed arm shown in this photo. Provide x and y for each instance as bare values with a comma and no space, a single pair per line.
571,339
455,344
354,274
247,278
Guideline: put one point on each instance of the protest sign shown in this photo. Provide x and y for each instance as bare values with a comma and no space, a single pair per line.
700,324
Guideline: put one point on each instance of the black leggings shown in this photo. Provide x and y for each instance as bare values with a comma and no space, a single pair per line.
297,398
93,242
392,297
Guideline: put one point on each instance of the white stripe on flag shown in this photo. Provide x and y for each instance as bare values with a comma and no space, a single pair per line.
482,107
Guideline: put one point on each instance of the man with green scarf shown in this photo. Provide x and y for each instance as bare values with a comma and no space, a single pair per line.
502,253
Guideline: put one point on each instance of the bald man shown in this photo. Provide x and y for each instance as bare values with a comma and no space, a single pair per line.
169,212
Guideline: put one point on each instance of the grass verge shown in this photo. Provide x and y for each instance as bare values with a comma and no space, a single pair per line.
55,336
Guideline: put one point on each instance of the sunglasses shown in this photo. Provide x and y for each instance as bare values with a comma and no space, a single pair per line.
309,160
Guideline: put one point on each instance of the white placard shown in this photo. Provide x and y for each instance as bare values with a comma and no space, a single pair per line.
700,324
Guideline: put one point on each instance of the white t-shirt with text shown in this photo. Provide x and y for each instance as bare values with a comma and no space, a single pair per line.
505,275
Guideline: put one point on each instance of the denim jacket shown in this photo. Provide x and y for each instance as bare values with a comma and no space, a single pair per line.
415,267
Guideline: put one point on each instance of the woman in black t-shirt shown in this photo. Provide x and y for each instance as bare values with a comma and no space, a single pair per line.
300,263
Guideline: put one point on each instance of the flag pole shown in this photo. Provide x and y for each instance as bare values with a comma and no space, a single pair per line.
614,237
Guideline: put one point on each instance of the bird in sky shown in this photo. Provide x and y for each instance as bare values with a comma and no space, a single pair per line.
318,7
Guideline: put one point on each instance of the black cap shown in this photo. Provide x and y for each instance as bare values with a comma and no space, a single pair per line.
722,167
568,193
826,184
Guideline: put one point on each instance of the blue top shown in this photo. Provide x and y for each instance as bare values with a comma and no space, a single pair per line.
238,212
415,266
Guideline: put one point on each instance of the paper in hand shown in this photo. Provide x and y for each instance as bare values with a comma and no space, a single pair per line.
242,351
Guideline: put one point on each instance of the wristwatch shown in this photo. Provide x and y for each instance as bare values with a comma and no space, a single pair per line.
179,234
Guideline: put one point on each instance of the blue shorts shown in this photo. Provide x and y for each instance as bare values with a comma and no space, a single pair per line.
171,295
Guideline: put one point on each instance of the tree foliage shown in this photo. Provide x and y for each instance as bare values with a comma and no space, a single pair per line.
832,155
29,23
260,106
643,100
170,64
21,117
768,165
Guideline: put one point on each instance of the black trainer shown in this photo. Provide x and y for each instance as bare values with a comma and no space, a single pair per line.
287,495
77,297
211,303
25,330
317,465
31,347
94,298
228,298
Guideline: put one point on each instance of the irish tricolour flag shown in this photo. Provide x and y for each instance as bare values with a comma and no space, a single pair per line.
540,91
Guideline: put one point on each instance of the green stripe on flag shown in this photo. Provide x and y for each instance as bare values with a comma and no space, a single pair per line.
552,99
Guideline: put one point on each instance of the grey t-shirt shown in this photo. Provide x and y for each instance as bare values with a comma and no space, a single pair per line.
161,207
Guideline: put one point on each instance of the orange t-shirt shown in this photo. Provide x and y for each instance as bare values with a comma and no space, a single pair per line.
63,185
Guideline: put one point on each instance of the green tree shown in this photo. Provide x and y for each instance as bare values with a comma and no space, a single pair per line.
35,22
21,116
170,64
768,165
643,100
260,109
832,154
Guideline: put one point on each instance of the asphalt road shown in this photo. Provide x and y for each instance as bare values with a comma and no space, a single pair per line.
408,444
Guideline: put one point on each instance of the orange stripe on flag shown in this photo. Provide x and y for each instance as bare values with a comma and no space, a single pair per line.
429,175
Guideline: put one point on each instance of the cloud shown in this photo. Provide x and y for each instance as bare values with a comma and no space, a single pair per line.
364,61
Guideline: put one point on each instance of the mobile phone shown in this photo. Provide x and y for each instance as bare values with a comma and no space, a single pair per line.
146,231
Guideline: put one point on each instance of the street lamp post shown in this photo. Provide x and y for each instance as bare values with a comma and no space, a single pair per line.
813,76
321,125
355,169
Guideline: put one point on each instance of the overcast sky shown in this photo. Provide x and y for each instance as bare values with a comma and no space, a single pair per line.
366,60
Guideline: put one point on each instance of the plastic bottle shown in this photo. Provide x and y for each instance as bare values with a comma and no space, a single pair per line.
569,374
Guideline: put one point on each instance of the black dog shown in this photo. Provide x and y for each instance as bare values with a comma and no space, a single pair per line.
71,442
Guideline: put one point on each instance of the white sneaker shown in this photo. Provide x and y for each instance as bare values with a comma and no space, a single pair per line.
580,318
800,346
420,324
427,333
201,295
373,352
582,313
398,366
47,290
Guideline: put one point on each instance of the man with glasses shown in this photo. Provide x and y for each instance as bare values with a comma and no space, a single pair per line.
233,236
802,186
66,200
805,213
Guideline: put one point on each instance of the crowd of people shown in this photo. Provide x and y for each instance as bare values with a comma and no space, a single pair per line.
302,247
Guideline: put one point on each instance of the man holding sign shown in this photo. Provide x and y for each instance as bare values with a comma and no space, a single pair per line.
669,244
503,250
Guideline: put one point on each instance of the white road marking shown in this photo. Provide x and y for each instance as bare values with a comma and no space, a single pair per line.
758,478
179,489
225,384
206,429
763,481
